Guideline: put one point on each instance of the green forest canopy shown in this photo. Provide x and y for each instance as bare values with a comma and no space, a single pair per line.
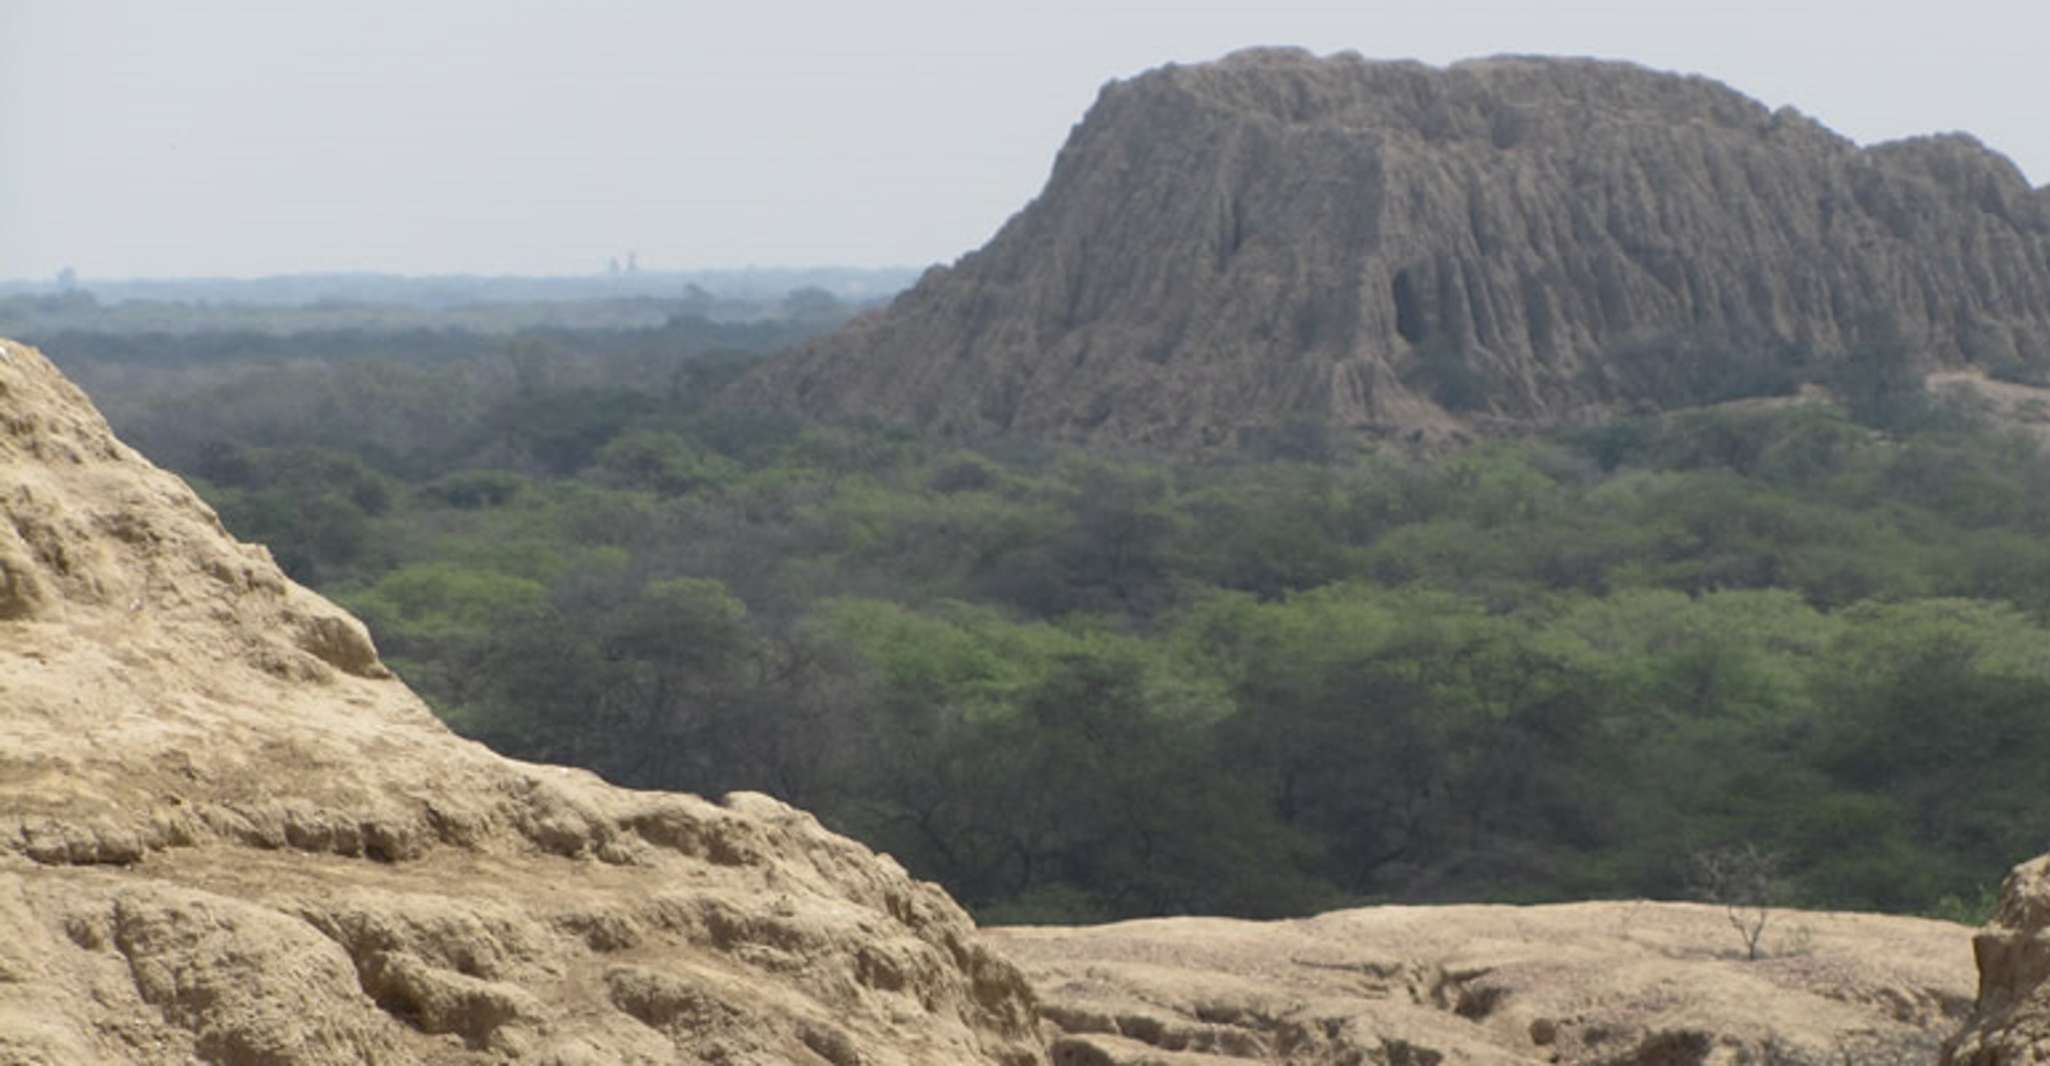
1073,686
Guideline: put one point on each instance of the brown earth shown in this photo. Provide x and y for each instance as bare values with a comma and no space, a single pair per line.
1275,240
2010,1024
228,836
2007,404
1628,984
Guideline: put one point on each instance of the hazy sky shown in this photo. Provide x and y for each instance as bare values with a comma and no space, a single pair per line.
205,137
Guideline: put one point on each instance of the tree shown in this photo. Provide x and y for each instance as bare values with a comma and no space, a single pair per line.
1880,380
438,624
644,690
1117,550
812,304
1743,879
663,462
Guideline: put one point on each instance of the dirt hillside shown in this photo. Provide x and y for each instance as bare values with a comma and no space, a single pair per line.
2010,1024
1276,239
228,836
1594,984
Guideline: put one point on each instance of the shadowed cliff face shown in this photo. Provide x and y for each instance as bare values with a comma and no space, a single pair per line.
1275,237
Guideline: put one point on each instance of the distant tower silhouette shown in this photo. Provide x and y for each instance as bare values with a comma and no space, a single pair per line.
633,262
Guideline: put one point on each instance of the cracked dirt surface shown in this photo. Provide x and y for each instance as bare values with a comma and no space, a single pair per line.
1636,983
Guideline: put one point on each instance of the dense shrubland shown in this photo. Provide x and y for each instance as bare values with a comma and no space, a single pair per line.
1074,686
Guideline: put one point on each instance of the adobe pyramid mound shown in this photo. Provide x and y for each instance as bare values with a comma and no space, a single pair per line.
1276,238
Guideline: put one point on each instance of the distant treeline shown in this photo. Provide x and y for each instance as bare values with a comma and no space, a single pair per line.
685,334
288,291
1075,686
342,315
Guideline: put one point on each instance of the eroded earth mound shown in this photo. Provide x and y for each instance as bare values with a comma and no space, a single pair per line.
1275,239
228,835
2010,1025
1616,984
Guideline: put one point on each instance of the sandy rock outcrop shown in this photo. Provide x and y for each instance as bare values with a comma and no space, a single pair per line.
1277,239
228,835
1615,984
2010,1023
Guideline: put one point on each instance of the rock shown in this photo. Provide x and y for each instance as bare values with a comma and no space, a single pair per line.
2010,1024
1272,240
228,835
1628,984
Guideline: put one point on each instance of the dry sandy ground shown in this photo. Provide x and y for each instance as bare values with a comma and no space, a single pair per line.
1651,983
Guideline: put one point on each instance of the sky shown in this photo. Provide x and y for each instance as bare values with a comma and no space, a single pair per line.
220,138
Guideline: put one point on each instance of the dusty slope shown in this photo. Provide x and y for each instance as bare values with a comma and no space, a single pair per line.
227,836
1642,984
1277,238
2010,1024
